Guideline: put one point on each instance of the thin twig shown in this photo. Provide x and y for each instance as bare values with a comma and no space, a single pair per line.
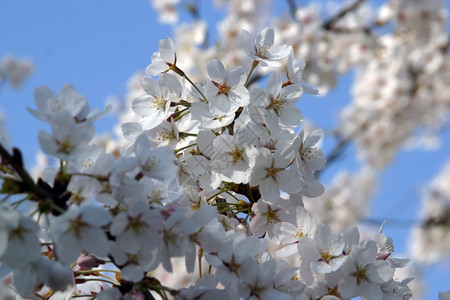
331,22
335,153
292,9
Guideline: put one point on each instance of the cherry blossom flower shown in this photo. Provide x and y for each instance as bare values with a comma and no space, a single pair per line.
281,100
79,228
49,105
67,136
156,163
15,70
164,59
233,159
324,251
309,159
271,175
155,106
262,48
167,10
290,235
295,68
19,245
138,229
266,216
226,91
362,274
200,111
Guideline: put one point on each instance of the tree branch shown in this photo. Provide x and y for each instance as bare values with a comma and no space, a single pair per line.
329,25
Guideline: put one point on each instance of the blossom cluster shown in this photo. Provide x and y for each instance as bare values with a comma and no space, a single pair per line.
214,173
399,53
401,73
434,221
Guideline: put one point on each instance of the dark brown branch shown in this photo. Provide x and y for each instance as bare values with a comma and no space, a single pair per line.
292,9
50,199
16,163
329,25
335,153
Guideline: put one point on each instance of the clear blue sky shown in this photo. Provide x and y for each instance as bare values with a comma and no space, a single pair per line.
98,45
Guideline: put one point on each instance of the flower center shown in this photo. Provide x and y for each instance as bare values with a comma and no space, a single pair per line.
235,155
362,274
222,87
272,216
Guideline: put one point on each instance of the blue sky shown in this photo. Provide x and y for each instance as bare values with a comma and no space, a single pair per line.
97,45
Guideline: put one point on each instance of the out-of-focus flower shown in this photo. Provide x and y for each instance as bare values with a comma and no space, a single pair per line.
14,70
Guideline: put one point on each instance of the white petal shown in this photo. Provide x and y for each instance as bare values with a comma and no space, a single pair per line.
95,242
24,281
96,216
42,96
216,70
128,242
67,248
167,50
370,291
269,190
265,37
348,286
246,43
286,251
132,272
131,130
156,68
274,84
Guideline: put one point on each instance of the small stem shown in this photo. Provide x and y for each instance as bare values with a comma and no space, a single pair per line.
200,266
183,110
98,279
189,134
183,103
181,115
215,195
57,208
47,244
181,149
224,204
107,277
35,211
181,73
228,192
73,265
6,198
18,202
254,65
248,216
227,209
39,217
47,222
96,270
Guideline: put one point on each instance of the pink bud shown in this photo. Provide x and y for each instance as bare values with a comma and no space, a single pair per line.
383,255
88,262
137,295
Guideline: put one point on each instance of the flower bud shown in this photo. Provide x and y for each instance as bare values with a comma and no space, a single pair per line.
87,262
383,255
